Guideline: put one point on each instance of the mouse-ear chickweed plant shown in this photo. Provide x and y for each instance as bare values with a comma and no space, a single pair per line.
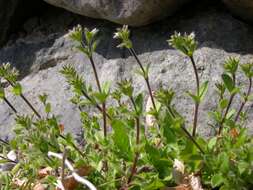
123,34
187,45
116,151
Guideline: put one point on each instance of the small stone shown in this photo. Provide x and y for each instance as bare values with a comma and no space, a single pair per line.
12,155
123,11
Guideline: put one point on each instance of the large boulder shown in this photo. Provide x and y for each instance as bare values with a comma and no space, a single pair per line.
241,8
131,12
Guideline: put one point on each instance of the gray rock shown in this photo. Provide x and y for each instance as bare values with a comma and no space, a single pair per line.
41,56
9,165
241,8
12,155
131,12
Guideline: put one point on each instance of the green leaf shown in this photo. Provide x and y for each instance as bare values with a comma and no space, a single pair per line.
155,184
228,81
169,134
212,143
224,160
48,108
100,97
217,116
203,90
140,72
217,180
17,89
43,98
153,153
243,166
223,103
230,113
146,71
121,139
106,87
231,65
195,98
44,146
139,103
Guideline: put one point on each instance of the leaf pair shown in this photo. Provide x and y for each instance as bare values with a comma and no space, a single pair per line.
202,92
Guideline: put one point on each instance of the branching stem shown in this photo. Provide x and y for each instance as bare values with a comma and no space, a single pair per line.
137,119
75,147
195,120
96,105
245,100
190,137
133,53
26,101
228,107
100,90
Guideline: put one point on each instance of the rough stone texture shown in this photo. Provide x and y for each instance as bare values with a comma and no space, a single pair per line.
131,12
241,8
41,54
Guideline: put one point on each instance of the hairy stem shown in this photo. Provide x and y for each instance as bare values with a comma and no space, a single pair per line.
95,73
75,147
190,137
100,90
31,106
133,53
134,168
96,105
245,100
26,101
195,119
137,119
104,119
227,109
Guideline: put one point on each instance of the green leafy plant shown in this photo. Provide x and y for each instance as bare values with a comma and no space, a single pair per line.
120,150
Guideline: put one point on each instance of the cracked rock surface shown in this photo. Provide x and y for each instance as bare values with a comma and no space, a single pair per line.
131,12
40,55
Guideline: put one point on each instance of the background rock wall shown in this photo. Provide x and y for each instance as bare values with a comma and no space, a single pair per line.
41,51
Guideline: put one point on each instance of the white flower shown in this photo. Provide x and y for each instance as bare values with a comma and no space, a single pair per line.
192,35
116,35
94,31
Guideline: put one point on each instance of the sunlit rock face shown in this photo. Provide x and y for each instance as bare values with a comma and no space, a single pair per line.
131,12
41,53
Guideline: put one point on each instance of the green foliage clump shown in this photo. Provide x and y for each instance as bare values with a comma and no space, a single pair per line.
130,152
